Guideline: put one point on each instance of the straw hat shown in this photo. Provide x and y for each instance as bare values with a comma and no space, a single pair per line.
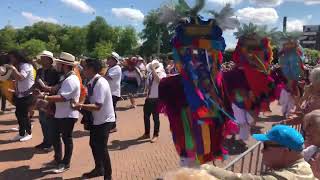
46,54
67,59
5,73
115,56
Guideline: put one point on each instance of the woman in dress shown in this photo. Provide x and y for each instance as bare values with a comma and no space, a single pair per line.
131,79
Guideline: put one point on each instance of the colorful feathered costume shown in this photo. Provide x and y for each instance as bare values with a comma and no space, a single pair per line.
249,84
195,104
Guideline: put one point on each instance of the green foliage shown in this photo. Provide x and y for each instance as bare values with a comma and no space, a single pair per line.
127,41
8,38
151,34
96,38
102,50
33,47
312,55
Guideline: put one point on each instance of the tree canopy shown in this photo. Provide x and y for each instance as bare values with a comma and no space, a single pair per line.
98,39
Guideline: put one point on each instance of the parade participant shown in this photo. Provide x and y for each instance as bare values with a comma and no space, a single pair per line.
286,101
103,121
312,130
194,100
47,76
131,78
23,73
155,73
113,76
65,116
284,141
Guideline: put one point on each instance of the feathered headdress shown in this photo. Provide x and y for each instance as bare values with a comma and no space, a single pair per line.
180,11
254,31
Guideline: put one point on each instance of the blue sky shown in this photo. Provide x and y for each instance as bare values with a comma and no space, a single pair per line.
19,13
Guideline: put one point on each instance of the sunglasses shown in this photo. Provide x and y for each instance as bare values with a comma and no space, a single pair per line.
270,145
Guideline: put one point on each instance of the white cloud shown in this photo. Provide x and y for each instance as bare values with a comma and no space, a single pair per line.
311,2
128,13
223,2
267,3
79,5
257,15
230,39
33,18
297,24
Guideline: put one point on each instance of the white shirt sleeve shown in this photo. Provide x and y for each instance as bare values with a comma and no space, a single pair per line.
114,73
25,69
67,89
99,92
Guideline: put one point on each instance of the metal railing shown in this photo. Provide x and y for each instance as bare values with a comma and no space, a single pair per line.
252,159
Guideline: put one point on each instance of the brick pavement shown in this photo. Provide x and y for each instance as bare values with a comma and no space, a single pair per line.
132,159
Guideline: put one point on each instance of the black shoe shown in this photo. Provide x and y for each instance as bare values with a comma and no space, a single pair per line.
40,146
145,136
93,173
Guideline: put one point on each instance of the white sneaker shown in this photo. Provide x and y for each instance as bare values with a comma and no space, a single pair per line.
15,129
17,138
26,138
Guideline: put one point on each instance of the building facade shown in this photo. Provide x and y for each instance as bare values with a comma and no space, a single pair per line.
311,38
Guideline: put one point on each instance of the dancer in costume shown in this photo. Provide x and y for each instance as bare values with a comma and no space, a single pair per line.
193,101
248,82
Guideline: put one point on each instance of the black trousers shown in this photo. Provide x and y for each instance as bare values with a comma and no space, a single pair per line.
115,100
63,127
3,102
150,107
22,113
99,135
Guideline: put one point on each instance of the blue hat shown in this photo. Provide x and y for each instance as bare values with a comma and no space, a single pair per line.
283,135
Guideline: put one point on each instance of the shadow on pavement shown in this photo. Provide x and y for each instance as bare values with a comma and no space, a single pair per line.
20,154
80,134
9,122
24,172
123,108
235,147
118,145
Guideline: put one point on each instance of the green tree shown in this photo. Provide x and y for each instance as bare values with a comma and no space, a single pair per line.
33,47
312,55
53,45
128,41
102,50
73,40
8,38
150,34
99,31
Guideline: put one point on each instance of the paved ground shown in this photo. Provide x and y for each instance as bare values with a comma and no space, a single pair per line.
131,158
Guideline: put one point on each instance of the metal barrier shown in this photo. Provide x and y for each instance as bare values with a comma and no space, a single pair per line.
252,158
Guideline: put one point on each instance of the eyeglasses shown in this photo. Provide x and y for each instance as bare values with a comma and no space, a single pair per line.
268,145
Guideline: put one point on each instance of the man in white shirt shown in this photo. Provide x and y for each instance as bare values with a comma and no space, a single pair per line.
101,106
113,76
155,73
23,73
65,115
